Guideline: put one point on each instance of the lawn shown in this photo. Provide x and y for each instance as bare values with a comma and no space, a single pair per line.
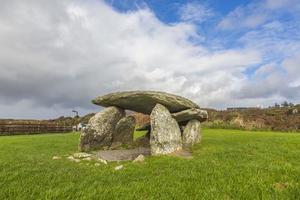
228,164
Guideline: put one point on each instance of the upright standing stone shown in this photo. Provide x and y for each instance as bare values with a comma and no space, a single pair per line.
191,133
124,130
100,128
182,117
165,136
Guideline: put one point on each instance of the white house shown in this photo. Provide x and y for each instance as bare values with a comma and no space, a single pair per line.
79,127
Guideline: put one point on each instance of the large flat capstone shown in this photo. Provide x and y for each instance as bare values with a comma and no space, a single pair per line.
144,101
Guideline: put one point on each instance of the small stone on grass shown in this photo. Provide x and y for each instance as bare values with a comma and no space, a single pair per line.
81,155
118,167
88,159
102,161
71,158
56,157
140,158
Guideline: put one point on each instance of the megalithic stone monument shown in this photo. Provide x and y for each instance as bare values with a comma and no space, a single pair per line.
167,112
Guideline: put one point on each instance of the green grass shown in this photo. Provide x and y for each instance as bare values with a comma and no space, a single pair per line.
139,134
228,164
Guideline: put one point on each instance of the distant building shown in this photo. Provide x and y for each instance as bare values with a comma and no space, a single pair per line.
79,127
295,111
292,111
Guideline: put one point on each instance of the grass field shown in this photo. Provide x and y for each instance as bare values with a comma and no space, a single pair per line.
228,164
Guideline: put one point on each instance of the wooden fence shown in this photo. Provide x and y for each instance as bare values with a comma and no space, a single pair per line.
22,128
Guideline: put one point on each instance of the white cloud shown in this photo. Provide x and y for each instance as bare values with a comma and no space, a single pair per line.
277,41
266,70
195,12
257,13
292,67
58,55
276,4
249,16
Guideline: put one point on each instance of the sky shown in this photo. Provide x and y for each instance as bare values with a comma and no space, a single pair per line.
56,56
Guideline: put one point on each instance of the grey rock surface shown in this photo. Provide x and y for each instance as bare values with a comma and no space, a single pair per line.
124,130
144,101
183,117
189,114
191,134
100,128
165,136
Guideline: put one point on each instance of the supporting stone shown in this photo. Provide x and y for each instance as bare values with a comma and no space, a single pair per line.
183,117
189,114
165,136
124,130
100,128
191,134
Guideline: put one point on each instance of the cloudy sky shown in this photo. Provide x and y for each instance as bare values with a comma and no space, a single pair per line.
57,55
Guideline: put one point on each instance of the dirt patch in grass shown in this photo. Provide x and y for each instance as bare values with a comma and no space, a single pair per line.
122,155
